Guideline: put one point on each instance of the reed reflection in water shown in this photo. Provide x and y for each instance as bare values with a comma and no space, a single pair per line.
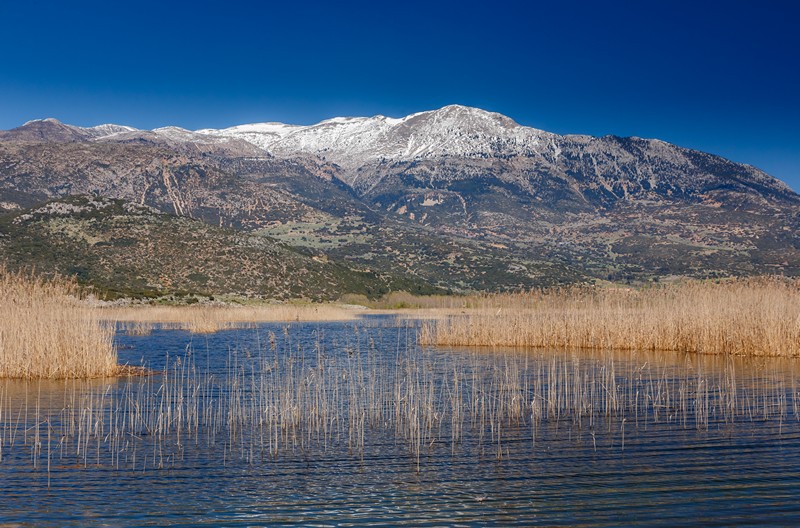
361,423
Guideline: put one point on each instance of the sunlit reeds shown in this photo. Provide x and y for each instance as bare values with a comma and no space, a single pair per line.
46,332
212,318
759,317
401,300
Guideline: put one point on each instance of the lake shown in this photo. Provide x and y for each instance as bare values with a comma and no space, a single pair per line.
355,424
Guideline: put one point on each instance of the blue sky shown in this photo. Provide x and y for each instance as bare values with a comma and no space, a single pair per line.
720,76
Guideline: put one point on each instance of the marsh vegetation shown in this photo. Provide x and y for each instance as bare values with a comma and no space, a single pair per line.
47,332
276,393
752,317
206,318
314,413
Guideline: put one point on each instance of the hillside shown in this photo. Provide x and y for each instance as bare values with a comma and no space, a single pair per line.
457,198
127,249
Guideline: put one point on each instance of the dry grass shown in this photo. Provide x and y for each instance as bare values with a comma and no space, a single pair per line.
758,317
400,300
210,318
46,332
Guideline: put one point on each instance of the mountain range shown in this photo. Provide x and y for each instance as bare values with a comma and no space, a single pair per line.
452,199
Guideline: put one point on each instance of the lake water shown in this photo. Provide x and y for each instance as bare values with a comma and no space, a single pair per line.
354,424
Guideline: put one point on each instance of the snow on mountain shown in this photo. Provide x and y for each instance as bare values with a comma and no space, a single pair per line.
50,120
181,135
94,132
102,131
354,141
259,134
453,131
176,137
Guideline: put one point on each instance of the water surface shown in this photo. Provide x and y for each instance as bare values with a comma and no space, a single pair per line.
352,423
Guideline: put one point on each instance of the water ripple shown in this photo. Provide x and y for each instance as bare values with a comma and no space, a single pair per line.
562,472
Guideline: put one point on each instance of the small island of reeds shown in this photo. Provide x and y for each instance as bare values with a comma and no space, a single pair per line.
47,331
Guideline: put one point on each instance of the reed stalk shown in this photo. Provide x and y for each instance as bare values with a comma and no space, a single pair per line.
47,332
283,396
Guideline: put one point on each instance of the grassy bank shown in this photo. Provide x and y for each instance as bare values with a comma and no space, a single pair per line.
46,332
758,317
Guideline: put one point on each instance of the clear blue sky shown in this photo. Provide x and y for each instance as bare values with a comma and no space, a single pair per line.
720,76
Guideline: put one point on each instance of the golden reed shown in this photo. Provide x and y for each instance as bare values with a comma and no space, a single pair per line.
753,317
47,332
211,318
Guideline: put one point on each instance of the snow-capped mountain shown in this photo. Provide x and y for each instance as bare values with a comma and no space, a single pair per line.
54,130
107,130
452,131
260,134
383,158
409,191
438,147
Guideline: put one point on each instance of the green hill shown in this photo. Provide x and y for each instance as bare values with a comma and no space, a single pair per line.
125,249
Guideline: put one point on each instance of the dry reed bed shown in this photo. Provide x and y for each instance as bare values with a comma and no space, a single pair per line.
46,331
140,320
758,317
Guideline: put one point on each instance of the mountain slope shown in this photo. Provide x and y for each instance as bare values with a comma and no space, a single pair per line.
124,248
619,166
457,197
220,190
300,201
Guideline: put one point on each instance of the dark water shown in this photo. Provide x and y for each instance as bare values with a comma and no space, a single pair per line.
648,462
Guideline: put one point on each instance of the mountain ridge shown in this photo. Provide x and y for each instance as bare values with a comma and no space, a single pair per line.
354,142
458,197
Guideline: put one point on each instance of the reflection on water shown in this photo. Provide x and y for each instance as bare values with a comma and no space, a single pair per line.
353,424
